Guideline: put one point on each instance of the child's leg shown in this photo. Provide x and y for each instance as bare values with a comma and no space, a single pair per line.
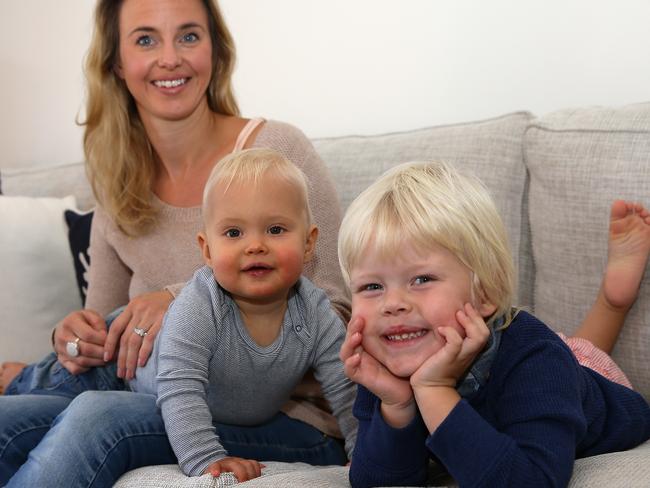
8,371
593,358
284,439
627,256
50,377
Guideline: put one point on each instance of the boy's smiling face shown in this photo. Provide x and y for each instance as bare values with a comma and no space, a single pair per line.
404,298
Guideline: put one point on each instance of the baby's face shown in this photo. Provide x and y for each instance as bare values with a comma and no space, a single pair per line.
258,239
403,299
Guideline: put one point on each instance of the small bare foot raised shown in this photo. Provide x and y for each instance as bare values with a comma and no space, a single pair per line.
627,255
8,371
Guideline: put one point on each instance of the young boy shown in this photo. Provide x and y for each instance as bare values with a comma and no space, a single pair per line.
446,368
246,328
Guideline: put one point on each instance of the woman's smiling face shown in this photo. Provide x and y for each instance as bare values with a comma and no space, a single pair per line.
165,56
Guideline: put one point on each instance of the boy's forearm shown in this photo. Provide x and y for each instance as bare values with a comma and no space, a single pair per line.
435,403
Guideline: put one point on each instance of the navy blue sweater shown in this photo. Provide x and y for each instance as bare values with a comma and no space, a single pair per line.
538,411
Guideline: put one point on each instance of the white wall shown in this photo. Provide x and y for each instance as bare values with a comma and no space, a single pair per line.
335,67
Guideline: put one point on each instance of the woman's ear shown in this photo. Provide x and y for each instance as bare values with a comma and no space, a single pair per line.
202,239
117,69
310,244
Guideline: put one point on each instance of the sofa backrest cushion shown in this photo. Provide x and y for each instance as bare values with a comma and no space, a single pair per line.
579,162
491,149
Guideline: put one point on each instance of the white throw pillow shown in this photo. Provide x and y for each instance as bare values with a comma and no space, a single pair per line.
37,279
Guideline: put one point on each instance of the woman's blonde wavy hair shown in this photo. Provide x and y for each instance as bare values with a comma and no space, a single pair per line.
120,161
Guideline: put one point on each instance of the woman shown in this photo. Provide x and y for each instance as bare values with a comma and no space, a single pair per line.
160,113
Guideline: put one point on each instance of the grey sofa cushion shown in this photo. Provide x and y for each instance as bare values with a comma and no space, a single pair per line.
491,149
49,181
628,469
579,162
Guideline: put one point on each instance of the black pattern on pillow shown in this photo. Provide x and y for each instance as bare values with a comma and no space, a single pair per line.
79,239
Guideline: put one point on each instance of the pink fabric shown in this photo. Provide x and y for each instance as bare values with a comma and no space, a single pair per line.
590,356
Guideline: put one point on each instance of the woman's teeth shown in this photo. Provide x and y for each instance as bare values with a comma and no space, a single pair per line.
406,336
169,83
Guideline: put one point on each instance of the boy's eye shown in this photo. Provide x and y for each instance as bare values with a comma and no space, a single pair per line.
144,41
232,233
276,229
190,37
419,280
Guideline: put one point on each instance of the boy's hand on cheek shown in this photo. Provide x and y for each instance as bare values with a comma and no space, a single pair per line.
364,369
447,365
435,381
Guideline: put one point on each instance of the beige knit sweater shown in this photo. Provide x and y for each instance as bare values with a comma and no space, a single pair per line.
123,267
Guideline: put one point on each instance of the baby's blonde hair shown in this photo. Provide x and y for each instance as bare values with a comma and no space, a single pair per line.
250,167
421,203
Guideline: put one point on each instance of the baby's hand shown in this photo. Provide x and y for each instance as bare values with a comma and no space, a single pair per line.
364,369
243,469
447,365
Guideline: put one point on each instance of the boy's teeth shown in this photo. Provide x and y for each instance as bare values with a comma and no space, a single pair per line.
169,83
406,336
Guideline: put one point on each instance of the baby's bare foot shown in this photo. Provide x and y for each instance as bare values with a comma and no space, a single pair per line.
628,250
8,371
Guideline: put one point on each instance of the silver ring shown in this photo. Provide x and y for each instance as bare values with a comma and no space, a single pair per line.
140,332
72,348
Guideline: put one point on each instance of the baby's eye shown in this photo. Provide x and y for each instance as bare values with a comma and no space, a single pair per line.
190,37
144,41
276,229
370,287
232,233
420,280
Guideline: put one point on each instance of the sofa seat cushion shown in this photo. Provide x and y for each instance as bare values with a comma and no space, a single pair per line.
579,162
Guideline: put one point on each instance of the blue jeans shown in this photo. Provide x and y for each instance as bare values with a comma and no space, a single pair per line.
91,440
49,376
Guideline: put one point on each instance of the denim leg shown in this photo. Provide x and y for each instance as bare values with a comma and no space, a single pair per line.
49,376
99,437
24,421
282,439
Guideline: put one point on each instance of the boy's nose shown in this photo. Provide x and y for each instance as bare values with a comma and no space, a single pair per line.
395,302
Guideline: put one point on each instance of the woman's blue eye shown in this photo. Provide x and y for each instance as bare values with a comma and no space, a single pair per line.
190,37
276,229
233,233
144,41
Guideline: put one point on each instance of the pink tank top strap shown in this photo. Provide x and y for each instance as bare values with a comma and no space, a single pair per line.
245,133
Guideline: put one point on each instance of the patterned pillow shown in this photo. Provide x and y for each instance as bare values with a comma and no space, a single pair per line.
79,239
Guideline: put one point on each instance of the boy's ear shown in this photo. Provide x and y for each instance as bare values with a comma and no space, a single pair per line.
202,239
485,307
310,245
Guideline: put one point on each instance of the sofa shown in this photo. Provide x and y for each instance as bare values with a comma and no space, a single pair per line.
553,178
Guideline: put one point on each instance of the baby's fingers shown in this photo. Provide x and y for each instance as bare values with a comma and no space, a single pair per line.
350,346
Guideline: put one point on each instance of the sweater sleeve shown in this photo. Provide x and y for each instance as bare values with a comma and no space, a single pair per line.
383,455
338,390
324,268
532,439
108,276
186,338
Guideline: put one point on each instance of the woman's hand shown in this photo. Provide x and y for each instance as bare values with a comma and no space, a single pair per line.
451,361
243,469
395,393
90,329
144,313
